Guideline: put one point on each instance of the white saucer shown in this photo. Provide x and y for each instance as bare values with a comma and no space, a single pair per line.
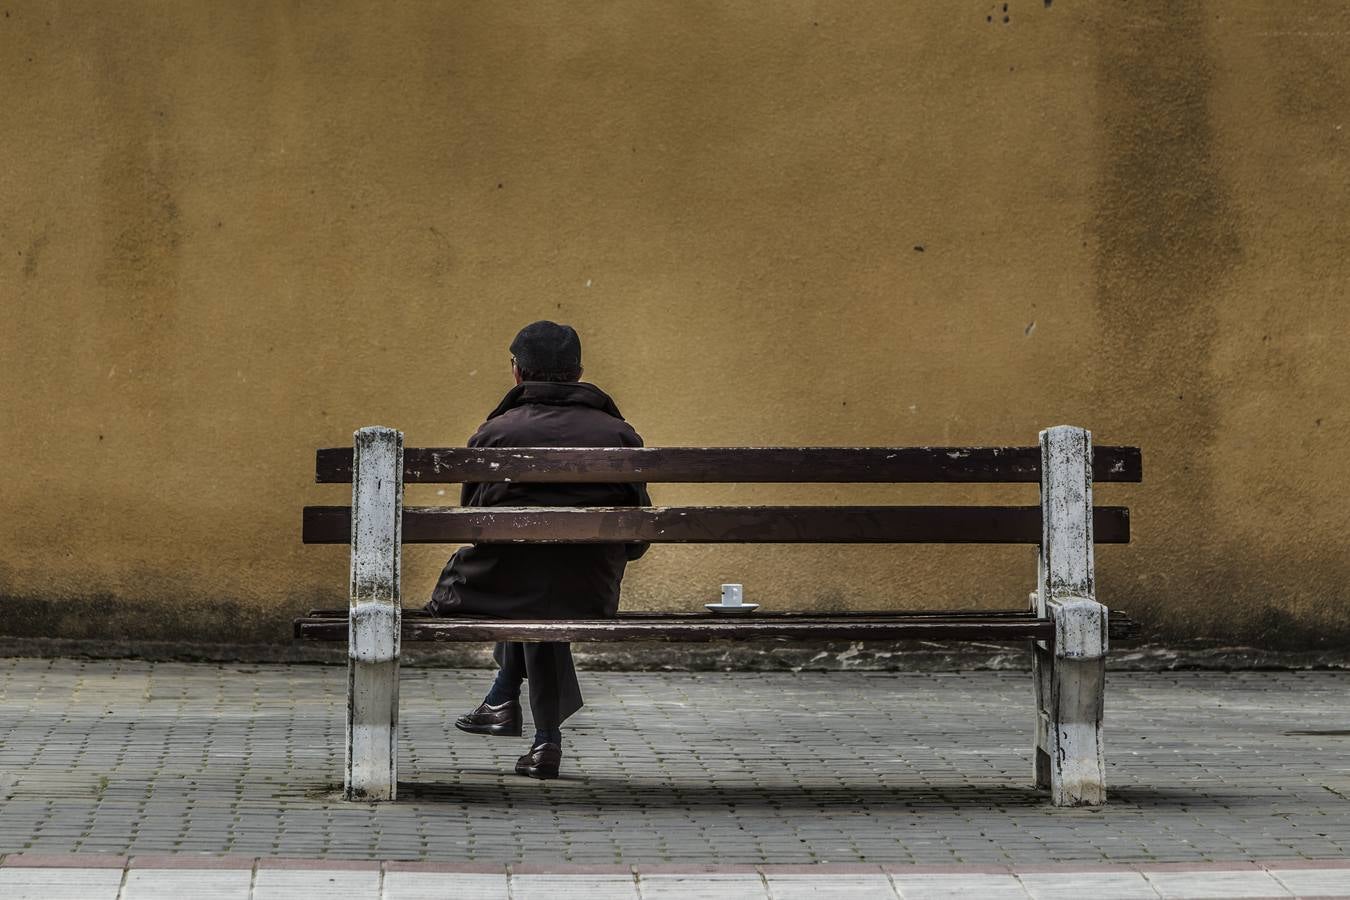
743,609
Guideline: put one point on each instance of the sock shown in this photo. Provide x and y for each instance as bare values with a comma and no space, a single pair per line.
504,688
547,736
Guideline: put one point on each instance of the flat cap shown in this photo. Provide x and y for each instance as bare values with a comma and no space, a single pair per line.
546,346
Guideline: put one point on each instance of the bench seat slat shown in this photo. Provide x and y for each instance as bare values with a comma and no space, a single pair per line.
998,625
698,629
414,612
836,465
715,524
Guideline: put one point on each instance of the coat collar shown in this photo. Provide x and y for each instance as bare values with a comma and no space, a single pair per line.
549,393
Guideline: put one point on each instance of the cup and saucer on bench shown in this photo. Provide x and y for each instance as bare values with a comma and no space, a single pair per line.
733,602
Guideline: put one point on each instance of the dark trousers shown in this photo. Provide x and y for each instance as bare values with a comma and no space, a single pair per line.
554,691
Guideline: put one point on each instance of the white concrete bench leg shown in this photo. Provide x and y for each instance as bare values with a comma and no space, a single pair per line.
373,639
1042,668
1070,678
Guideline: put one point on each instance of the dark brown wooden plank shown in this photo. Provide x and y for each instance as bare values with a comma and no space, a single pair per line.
724,630
697,630
334,628
420,613
445,465
717,524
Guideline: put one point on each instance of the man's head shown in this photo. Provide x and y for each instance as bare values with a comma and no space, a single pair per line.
546,351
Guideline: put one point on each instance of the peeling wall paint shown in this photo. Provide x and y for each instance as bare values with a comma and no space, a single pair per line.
797,223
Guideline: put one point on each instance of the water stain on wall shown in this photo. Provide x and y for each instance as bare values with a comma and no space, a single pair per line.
33,254
140,232
1166,239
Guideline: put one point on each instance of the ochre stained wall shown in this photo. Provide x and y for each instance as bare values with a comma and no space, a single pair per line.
234,232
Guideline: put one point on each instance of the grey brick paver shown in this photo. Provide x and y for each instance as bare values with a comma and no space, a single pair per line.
438,886
701,887
286,884
124,756
60,884
573,887
1075,886
1253,883
844,887
939,887
1316,882
169,884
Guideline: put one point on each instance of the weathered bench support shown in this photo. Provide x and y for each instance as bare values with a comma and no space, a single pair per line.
1070,675
374,626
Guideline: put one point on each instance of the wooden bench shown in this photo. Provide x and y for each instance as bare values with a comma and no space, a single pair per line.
1068,629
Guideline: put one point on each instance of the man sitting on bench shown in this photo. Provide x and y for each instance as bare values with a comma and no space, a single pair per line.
549,407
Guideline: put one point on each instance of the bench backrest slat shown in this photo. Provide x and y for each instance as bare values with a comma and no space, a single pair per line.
716,524
839,465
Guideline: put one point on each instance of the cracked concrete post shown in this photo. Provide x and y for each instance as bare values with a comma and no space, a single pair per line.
373,637
1070,678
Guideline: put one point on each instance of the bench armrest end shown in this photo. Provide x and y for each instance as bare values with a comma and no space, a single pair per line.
1080,627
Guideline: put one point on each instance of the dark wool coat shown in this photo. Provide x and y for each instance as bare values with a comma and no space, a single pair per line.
544,581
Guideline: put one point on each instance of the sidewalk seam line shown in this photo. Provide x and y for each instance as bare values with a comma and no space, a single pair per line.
122,883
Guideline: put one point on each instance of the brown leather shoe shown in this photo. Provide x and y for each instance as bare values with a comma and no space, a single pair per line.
501,720
541,762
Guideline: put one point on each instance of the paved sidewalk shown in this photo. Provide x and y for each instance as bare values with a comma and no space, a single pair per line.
91,877
132,758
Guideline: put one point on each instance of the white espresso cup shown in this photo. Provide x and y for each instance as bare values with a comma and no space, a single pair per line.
732,594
